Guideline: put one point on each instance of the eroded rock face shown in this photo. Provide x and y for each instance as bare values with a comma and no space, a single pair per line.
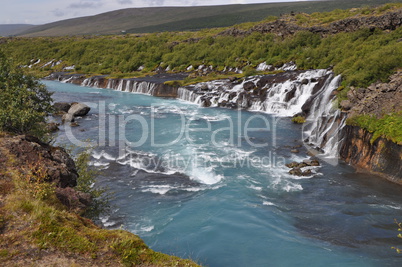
377,99
382,156
30,151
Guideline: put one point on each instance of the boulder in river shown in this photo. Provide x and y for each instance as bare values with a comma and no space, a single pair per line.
67,118
79,109
61,106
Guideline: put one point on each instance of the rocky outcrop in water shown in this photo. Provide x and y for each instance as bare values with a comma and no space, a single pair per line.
382,157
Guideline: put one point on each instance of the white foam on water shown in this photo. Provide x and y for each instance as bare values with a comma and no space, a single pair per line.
205,176
147,228
100,164
256,188
158,189
268,203
292,187
105,221
103,154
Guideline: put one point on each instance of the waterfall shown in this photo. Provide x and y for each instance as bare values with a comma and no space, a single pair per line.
188,95
283,94
325,121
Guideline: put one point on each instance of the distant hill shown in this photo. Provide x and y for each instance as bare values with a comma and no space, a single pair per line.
13,29
143,20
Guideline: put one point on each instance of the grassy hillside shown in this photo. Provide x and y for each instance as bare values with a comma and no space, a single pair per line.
145,20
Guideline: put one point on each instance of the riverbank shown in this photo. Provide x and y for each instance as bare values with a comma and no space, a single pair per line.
37,229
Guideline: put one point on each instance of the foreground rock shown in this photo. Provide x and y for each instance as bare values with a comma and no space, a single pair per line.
61,106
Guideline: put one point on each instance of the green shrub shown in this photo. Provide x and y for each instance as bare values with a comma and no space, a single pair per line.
299,119
389,126
85,183
24,101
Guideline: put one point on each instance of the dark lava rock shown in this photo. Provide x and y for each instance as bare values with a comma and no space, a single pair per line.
61,106
346,104
248,86
299,172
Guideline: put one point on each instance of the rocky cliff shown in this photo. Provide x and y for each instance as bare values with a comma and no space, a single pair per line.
382,157
359,148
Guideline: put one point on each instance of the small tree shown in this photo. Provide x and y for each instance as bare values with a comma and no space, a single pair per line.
24,101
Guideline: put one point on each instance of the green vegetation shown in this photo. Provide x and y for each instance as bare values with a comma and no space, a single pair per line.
24,101
324,18
37,229
389,126
299,119
87,177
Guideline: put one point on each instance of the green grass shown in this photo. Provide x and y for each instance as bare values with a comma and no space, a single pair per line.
299,119
389,126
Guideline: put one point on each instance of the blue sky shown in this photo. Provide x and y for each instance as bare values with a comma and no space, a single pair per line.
44,11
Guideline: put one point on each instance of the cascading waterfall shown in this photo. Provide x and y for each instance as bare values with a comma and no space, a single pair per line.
285,97
187,95
325,121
